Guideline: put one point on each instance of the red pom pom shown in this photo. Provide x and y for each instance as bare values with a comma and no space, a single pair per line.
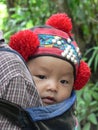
60,21
83,76
25,42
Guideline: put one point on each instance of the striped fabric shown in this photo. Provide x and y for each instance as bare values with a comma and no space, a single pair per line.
16,85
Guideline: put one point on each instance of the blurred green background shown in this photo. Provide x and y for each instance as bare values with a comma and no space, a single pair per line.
17,14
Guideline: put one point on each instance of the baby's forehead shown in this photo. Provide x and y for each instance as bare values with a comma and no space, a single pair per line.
50,63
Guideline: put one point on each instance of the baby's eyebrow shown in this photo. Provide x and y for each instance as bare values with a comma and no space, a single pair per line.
68,73
43,68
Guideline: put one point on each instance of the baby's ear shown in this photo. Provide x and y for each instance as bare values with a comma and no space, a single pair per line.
83,76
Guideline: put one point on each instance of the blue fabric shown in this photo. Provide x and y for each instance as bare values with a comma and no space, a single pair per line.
48,112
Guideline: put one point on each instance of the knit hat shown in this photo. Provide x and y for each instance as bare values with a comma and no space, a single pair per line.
53,39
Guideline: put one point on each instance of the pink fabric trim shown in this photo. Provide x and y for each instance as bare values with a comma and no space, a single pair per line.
51,32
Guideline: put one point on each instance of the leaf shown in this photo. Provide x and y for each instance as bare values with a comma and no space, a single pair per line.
96,62
87,97
95,95
92,58
92,118
86,126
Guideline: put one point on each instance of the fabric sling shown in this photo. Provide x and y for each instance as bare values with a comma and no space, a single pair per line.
27,120
15,113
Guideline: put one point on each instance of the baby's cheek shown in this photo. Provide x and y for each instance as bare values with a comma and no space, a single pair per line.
64,95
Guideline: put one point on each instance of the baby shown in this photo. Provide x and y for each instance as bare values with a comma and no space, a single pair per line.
54,60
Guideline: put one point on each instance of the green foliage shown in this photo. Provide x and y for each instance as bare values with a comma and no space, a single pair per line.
87,106
25,14
85,15
87,101
94,58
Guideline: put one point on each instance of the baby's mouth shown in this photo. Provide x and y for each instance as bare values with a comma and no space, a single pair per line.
48,100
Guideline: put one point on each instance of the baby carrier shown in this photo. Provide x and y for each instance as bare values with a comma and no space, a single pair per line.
52,117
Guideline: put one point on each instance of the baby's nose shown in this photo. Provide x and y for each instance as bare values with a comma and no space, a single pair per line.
52,86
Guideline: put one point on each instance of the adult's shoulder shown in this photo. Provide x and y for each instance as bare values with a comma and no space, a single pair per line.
11,65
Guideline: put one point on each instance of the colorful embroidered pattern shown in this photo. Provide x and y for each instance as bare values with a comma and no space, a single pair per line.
68,49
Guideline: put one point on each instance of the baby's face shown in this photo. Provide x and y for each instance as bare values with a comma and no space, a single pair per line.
54,78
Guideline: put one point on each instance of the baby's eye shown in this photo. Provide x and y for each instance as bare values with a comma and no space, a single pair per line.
41,76
64,81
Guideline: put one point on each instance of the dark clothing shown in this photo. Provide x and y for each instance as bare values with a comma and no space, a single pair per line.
16,85
65,121
19,116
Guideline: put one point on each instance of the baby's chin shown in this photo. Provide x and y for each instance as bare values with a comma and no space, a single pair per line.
44,104
47,104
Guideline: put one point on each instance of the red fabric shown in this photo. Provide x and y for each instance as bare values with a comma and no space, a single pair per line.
47,50
51,31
